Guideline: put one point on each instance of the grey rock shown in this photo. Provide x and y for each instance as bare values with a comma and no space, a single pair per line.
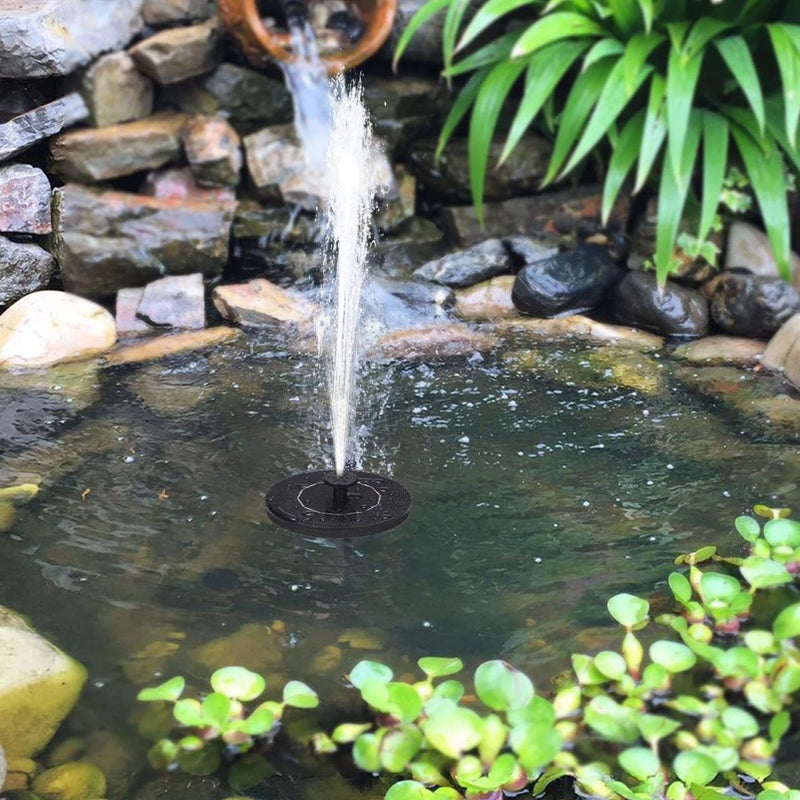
527,249
95,154
105,241
213,150
24,200
722,351
566,283
41,38
749,305
248,99
750,248
671,310
414,243
449,177
275,223
178,183
24,268
116,91
467,267
783,351
177,301
163,12
30,127
176,54
128,324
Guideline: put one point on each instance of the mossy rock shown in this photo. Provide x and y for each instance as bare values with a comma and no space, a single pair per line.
74,780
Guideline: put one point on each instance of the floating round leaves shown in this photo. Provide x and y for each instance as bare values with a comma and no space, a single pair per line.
611,664
787,623
369,670
761,573
168,691
238,683
453,731
440,667
299,695
673,656
628,610
748,528
695,768
502,687
640,762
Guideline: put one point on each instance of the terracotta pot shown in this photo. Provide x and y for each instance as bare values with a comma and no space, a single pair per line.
260,44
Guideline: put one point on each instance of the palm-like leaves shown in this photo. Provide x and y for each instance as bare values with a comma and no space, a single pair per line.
631,73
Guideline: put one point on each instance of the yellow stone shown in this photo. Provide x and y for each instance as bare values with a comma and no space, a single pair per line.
253,646
19,495
72,781
39,685
8,516
362,638
327,660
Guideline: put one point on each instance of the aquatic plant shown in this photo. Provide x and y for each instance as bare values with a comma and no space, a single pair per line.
646,81
219,727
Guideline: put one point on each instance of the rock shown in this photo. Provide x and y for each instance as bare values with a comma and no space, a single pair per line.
46,328
783,351
248,99
722,351
749,305
115,91
449,177
569,213
671,310
406,304
179,184
416,242
176,54
259,304
39,685
24,268
24,200
749,247
254,647
213,150
163,12
172,344
177,301
96,154
434,341
30,127
571,281
105,241
128,324
577,327
2,767
41,38
526,250
467,267
487,301
71,781
19,772
399,204
272,223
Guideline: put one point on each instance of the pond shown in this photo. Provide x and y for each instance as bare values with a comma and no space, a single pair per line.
543,482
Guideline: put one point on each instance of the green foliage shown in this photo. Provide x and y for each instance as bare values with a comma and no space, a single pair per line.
690,87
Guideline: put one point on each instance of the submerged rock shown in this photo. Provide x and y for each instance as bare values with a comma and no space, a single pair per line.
722,350
74,780
669,310
259,303
489,300
571,281
253,646
24,200
783,351
433,342
39,685
172,344
116,91
467,267
213,150
177,301
744,304
46,328
24,268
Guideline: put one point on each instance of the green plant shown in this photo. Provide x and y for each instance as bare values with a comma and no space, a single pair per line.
669,82
219,725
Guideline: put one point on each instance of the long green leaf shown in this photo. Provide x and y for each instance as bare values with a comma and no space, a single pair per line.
715,162
703,31
485,112
452,23
625,14
466,97
553,28
769,185
581,101
603,48
490,53
545,69
775,118
646,7
487,15
636,53
672,198
655,130
681,83
736,54
622,159
788,59
430,9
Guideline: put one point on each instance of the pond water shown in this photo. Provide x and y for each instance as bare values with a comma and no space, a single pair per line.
543,482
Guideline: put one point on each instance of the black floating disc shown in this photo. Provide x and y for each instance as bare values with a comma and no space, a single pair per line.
329,506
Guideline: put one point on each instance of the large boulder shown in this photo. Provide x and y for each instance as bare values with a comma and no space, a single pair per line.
41,38
669,310
259,304
750,248
783,351
116,91
467,267
105,241
568,282
24,200
743,304
489,300
24,268
47,328
39,685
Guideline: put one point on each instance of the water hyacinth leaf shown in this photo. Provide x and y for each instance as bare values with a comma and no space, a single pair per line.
612,721
451,690
503,770
238,683
398,747
408,790
554,27
365,752
680,587
536,744
298,695
191,743
673,656
633,653
426,772
762,698
468,769
248,772
169,691
369,670
654,727
739,722
493,738
404,703
348,732
718,587
694,768
611,664
779,726
188,712
655,677
440,667
737,662
163,754
762,573
762,642
640,762
787,623
454,732
628,610
782,533
258,723
567,701
538,710
502,687
725,758
322,744
216,709
585,670
787,681
200,762
747,527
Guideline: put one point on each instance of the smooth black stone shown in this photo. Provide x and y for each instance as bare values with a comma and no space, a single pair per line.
569,282
673,310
